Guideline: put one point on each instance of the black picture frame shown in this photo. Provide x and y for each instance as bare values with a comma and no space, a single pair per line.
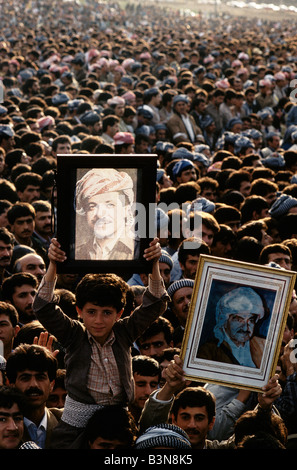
70,168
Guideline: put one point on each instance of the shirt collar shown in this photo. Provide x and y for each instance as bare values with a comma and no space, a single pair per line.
110,339
42,424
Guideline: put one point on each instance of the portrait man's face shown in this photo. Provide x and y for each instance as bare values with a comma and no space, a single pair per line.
240,327
106,214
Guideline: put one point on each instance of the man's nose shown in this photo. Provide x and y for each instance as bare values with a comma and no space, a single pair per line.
11,424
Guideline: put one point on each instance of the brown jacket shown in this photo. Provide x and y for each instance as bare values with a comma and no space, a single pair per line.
53,418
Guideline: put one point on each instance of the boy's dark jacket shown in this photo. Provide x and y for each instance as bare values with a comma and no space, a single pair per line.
73,336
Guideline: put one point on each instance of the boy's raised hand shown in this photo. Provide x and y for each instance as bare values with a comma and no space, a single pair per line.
55,254
153,252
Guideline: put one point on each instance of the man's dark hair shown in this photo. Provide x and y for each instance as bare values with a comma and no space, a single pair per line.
112,422
273,248
253,203
62,139
26,179
260,420
31,357
161,325
9,310
103,290
195,397
20,209
9,396
6,236
146,365
110,120
17,280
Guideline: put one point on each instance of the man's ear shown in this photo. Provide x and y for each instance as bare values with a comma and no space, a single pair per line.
52,386
211,424
78,311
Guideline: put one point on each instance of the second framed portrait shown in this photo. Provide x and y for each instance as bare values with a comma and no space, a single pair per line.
105,211
236,321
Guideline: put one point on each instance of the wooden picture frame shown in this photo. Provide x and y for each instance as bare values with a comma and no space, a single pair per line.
233,305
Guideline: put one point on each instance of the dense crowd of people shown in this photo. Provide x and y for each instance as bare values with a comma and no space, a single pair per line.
93,360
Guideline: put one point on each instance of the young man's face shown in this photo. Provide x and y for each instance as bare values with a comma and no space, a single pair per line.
35,265
43,223
245,188
35,385
282,259
270,198
57,398
11,427
180,303
209,193
165,273
7,330
3,218
62,148
99,321
153,346
5,254
23,227
194,421
22,299
207,235
30,194
144,386
187,175
107,444
106,215
189,268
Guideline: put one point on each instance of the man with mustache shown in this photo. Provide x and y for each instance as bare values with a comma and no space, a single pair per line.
104,199
180,293
237,313
20,289
193,408
6,248
12,403
31,263
43,230
32,370
21,217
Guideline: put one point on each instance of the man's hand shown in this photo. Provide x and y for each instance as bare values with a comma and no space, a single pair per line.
46,340
154,251
271,392
55,254
175,379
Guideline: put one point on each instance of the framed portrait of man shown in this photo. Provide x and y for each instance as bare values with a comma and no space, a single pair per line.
236,320
104,214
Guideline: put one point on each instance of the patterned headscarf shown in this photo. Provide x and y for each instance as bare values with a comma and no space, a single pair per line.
102,180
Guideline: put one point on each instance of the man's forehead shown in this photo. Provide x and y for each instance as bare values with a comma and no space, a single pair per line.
106,196
182,292
5,245
23,288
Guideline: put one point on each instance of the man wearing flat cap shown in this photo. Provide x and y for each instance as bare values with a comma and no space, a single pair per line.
104,199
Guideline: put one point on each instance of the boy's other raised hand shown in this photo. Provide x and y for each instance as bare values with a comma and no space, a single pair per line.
55,254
